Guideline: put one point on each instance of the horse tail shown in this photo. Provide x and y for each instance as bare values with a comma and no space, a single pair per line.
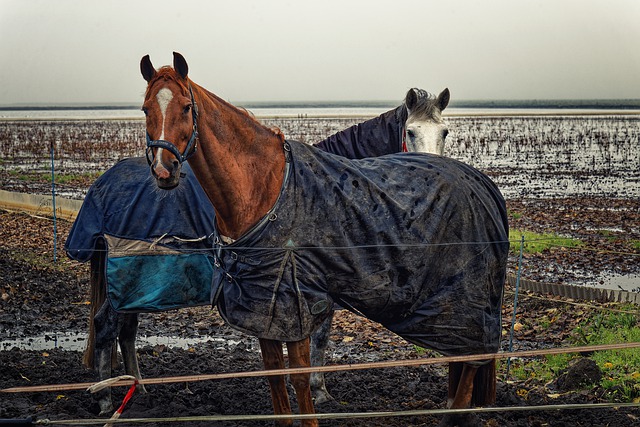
484,385
98,296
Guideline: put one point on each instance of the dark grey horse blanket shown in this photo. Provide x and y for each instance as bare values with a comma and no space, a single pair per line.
372,138
416,242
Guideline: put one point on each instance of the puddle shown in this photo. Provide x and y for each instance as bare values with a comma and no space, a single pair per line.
627,282
78,341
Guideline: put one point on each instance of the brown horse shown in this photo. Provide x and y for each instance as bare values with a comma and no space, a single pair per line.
243,166
414,126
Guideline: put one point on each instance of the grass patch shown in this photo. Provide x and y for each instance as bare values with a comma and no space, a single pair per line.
514,215
607,234
620,368
537,242
543,369
45,177
41,260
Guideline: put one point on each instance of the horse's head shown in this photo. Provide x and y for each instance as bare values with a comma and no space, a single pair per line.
171,115
425,130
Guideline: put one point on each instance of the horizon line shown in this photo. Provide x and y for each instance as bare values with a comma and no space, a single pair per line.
469,103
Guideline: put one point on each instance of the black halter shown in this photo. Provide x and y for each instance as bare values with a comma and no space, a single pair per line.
191,147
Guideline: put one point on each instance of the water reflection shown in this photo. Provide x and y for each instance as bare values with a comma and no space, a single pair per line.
628,283
78,341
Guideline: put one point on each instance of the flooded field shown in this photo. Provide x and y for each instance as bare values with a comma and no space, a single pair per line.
576,176
527,156
584,168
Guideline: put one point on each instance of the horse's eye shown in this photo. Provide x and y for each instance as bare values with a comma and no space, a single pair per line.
187,108
145,111
411,134
445,133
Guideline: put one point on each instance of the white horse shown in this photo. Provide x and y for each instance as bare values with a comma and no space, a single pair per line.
415,126
425,129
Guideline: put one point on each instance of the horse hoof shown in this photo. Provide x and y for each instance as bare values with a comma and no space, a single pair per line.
106,412
321,396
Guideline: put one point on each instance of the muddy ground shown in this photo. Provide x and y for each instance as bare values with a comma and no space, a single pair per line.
38,298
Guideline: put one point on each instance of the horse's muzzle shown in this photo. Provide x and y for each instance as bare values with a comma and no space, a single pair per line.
166,178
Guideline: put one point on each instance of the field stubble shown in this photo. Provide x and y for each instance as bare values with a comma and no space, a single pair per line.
528,157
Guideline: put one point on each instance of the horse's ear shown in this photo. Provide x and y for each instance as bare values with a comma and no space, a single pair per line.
146,68
411,99
443,99
180,65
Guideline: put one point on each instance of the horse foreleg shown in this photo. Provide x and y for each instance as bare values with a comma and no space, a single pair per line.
106,327
319,342
299,358
127,339
273,358
461,377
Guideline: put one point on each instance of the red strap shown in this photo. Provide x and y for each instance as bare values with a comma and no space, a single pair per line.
404,140
127,397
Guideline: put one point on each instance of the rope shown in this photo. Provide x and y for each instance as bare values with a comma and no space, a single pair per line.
331,368
348,415
108,383
341,248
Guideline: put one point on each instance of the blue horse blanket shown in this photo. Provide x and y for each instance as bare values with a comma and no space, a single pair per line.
416,242
158,242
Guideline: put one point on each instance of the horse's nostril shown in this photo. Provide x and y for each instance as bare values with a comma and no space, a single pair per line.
176,164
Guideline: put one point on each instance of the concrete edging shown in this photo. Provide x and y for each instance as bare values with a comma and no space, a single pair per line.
38,204
576,292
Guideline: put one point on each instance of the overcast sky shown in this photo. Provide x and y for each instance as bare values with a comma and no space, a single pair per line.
89,51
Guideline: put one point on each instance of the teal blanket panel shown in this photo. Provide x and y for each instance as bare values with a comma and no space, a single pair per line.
148,283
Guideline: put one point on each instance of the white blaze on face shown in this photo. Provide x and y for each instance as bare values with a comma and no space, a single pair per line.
164,97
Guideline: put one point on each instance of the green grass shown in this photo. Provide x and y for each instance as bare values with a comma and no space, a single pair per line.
41,260
620,368
514,215
608,234
543,369
60,178
537,242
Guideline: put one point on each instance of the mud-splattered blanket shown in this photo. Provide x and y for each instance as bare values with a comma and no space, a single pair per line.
416,242
158,242
372,138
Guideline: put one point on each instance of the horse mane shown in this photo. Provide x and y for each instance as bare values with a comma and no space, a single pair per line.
168,73
274,129
163,73
426,104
